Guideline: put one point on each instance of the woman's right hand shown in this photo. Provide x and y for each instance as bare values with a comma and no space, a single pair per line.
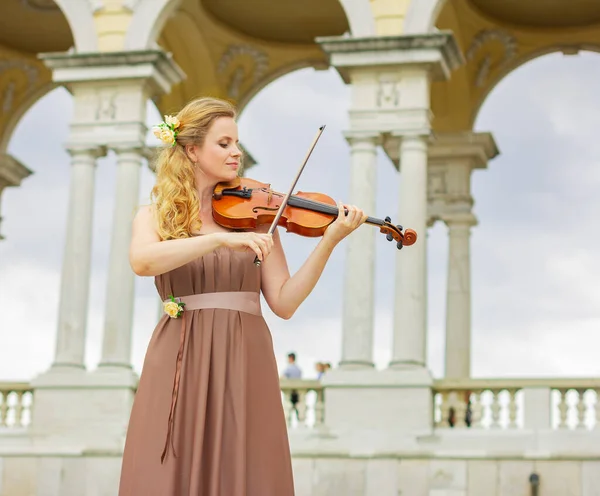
259,243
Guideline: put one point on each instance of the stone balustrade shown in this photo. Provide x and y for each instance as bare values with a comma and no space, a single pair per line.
303,402
460,403
517,403
15,405
306,411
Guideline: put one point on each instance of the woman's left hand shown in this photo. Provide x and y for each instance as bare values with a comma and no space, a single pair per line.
344,224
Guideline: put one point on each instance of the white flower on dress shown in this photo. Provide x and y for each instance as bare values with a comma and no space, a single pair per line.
173,308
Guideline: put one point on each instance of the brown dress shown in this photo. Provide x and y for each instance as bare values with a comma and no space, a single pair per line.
208,399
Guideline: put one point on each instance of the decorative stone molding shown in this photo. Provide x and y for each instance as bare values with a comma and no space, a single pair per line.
391,78
110,92
30,70
475,148
388,93
456,219
448,190
233,56
155,66
479,41
452,158
8,94
106,109
437,183
354,137
438,50
12,172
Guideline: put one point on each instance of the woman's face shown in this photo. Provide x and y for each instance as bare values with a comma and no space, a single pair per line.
219,157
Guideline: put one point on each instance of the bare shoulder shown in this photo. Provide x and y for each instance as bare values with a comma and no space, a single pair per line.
144,211
144,222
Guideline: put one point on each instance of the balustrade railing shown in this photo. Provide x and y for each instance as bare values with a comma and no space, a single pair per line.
303,402
15,404
460,404
500,403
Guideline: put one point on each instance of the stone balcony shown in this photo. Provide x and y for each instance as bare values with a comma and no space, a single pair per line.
488,436
476,404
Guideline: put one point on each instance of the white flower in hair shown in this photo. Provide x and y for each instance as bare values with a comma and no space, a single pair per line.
172,121
167,131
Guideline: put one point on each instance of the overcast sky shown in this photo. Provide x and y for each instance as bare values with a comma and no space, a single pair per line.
535,268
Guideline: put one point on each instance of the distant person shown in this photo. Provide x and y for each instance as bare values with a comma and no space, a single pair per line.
320,367
292,371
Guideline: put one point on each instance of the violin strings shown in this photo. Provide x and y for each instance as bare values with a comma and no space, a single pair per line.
324,208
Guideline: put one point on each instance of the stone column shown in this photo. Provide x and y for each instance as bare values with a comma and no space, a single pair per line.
458,303
452,159
389,81
410,308
116,347
359,284
12,172
75,279
110,93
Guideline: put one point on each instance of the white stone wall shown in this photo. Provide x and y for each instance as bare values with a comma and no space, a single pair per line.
63,474
55,474
444,477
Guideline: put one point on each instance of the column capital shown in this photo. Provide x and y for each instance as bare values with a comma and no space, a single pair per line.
85,152
470,148
438,52
154,67
91,149
12,171
455,220
355,137
111,90
132,147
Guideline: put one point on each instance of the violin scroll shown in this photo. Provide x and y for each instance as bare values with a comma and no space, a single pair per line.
394,233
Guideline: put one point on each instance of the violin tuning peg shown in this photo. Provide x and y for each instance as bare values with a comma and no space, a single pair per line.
389,237
388,219
399,227
399,245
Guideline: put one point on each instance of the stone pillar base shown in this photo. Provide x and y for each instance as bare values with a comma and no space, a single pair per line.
389,402
82,410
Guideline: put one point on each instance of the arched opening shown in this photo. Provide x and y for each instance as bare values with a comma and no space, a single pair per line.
535,294
34,223
278,125
232,51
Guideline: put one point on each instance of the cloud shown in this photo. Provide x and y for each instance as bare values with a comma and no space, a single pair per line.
535,294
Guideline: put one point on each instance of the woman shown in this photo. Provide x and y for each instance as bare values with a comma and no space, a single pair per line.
207,419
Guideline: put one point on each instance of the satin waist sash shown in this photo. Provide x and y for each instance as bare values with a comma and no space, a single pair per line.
241,301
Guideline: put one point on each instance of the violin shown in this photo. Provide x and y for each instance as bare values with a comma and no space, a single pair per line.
246,203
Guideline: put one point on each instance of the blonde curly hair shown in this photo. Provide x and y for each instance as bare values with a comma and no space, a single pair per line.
174,195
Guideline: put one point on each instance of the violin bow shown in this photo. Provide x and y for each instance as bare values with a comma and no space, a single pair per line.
289,193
